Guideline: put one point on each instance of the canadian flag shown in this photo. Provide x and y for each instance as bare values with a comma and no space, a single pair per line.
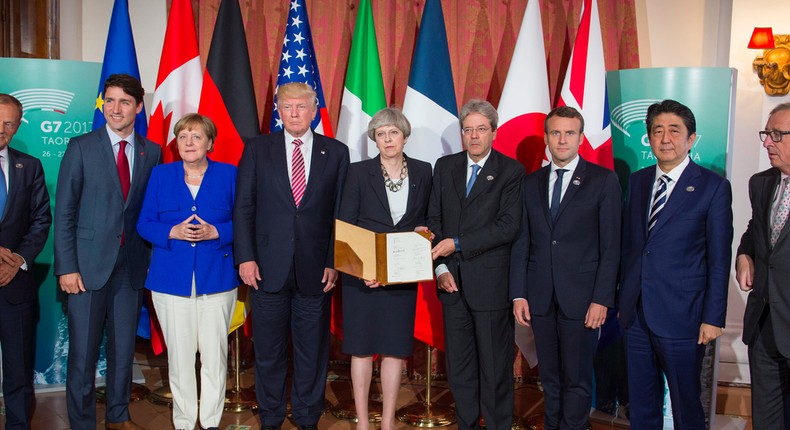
179,81
584,88
525,97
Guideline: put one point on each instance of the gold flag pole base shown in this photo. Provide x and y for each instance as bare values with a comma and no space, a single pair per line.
239,399
139,392
346,410
533,422
162,395
426,414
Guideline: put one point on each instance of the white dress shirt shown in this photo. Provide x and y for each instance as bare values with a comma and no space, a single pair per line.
115,140
307,151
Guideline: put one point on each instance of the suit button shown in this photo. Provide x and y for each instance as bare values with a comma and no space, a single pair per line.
194,208
193,244
553,242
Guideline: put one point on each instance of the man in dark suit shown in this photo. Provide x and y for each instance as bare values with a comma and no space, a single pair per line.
563,272
475,211
676,255
100,260
287,197
762,267
24,225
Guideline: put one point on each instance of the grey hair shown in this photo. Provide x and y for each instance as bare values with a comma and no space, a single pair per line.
483,108
389,116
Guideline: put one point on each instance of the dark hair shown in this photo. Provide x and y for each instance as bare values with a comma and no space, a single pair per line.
563,112
8,99
129,84
673,107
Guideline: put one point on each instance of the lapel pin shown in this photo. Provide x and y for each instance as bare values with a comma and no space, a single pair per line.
18,165
323,152
142,153
577,181
690,189
489,178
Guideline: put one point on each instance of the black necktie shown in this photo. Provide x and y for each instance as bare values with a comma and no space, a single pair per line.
556,195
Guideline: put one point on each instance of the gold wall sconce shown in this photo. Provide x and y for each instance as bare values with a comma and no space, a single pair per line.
773,67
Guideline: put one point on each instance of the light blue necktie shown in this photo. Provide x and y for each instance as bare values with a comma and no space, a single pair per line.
3,190
472,178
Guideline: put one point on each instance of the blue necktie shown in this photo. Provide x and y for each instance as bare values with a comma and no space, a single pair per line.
472,178
659,200
556,195
3,190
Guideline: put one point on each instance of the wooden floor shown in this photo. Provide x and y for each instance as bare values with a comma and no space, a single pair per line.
50,411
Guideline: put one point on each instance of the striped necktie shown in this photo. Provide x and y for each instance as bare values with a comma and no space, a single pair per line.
298,181
780,217
659,200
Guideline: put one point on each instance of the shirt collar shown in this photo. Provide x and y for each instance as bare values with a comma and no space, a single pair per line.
307,138
675,173
570,167
115,139
480,163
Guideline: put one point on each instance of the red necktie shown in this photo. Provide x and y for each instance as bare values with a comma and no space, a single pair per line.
123,170
298,182
125,176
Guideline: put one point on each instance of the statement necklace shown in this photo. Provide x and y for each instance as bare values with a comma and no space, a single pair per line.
395,186
194,176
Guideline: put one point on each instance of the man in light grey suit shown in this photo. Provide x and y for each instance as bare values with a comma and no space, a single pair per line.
100,260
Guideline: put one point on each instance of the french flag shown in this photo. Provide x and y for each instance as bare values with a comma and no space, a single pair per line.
584,88
432,110
430,101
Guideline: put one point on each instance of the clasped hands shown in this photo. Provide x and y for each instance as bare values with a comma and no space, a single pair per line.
190,232
9,265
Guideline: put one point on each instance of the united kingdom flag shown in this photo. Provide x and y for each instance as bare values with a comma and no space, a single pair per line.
298,64
585,88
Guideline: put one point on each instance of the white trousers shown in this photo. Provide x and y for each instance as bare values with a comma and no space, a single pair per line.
190,325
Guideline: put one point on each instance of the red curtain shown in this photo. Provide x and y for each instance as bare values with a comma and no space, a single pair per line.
481,36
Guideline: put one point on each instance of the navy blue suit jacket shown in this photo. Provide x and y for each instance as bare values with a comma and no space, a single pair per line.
25,222
168,202
268,227
575,258
682,269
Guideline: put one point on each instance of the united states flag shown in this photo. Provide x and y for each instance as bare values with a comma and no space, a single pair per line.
298,64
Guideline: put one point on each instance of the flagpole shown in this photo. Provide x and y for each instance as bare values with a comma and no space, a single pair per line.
239,399
427,414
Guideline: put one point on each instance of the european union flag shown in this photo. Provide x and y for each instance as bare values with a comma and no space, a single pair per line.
119,57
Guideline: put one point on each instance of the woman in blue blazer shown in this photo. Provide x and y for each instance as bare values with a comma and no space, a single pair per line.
186,216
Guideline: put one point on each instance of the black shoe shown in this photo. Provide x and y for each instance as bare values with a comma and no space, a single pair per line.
308,427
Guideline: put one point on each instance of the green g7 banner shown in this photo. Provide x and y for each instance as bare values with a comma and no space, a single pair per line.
710,93
58,99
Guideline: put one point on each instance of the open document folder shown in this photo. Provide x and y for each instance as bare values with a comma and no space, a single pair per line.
390,258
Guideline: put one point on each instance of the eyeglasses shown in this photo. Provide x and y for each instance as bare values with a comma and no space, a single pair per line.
776,135
480,130
9,125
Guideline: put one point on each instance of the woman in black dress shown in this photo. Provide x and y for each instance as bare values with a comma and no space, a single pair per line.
388,193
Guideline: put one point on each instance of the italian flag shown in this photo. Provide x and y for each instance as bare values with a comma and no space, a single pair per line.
363,93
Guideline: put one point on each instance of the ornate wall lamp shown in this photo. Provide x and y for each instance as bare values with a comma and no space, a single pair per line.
773,67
